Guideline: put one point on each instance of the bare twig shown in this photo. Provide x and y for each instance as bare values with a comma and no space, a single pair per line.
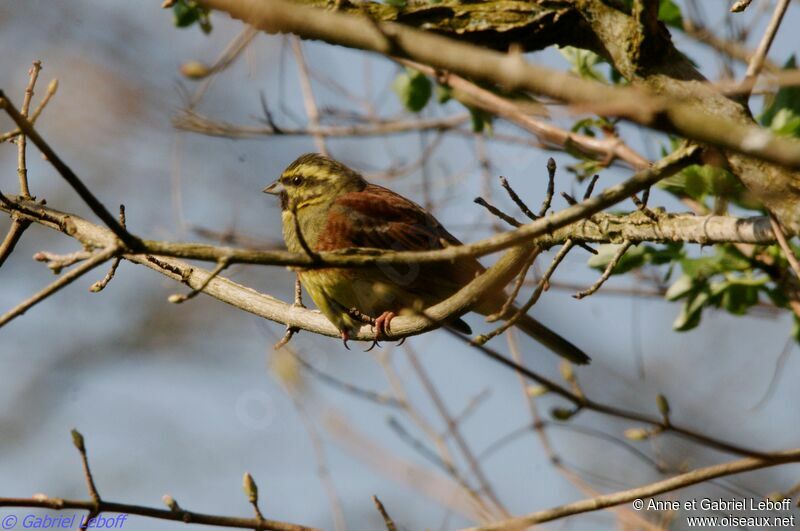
13,235
103,282
387,520
298,303
740,5
647,491
497,212
372,396
607,149
191,120
475,467
757,61
251,491
784,244
64,280
97,207
538,425
551,186
228,56
177,298
517,286
519,202
22,170
78,441
52,88
57,262
483,338
586,403
607,272
308,93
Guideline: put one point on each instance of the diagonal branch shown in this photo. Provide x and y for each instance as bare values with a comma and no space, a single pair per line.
97,207
64,280
647,491
688,119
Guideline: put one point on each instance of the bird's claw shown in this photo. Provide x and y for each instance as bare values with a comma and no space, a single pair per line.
381,325
345,338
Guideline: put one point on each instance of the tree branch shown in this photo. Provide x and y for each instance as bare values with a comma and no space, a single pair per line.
647,491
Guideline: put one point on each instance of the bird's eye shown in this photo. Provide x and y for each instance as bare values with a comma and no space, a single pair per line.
297,180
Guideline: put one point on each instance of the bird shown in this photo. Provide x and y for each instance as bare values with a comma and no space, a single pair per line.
327,206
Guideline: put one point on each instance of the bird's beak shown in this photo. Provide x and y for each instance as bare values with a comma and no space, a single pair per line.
275,188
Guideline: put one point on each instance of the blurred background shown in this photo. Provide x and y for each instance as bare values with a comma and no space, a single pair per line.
183,399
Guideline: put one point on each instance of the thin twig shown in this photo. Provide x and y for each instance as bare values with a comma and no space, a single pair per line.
13,235
538,425
347,387
308,93
483,338
22,170
251,491
52,88
78,441
694,477
586,403
784,244
97,207
178,298
607,272
387,520
475,467
551,186
740,5
519,202
57,262
298,303
517,286
232,51
64,280
549,135
102,283
757,61
497,212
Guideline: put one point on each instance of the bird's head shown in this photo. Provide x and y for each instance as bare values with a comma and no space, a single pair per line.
314,179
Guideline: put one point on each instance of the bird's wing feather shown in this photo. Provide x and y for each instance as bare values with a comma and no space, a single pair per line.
379,218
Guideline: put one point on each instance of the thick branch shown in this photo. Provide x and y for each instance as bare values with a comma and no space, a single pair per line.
692,109
363,257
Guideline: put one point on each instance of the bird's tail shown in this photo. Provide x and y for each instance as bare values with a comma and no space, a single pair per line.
550,339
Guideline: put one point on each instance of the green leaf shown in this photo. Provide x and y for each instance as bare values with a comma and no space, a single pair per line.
680,288
481,120
583,62
443,94
786,122
786,98
187,12
670,14
562,413
739,297
692,310
413,89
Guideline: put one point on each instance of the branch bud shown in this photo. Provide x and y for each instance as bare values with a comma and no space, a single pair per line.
77,440
250,488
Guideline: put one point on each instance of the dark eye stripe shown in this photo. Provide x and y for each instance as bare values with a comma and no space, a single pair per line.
304,179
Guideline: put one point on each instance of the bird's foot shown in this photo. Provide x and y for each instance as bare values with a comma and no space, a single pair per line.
382,325
345,338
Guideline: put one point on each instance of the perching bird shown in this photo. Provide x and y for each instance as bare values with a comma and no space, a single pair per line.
334,208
